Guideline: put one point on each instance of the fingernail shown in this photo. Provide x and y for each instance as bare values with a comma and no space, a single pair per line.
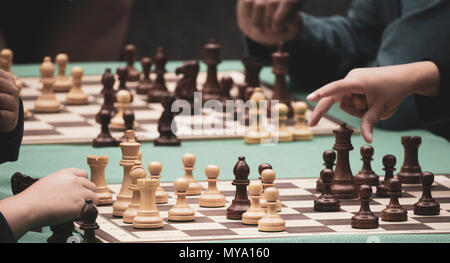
312,96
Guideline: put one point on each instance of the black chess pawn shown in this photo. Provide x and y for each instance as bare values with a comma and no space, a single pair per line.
326,201
426,204
104,138
108,95
389,162
128,117
394,211
240,203
226,84
130,56
366,175
329,156
146,83
159,89
365,219
166,125
88,221
122,73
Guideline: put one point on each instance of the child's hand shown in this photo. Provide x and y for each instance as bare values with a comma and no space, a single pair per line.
9,102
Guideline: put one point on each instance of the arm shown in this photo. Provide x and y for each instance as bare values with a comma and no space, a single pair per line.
375,93
53,199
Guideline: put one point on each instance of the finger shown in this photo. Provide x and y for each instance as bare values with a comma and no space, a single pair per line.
271,7
247,6
90,195
285,12
8,86
368,122
321,109
77,172
88,184
9,102
6,75
258,14
339,87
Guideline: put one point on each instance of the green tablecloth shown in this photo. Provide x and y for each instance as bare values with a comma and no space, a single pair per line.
290,160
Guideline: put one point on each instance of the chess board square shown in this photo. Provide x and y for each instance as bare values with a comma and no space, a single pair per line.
165,235
236,224
308,229
356,202
198,219
69,124
283,198
310,184
398,227
40,133
210,213
59,117
220,218
165,228
432,219
348,229
288,211
301,222
293,192
198,226
334,222
408,221
297,204
293,216
440,226
329,215
355,208
36,125
209,232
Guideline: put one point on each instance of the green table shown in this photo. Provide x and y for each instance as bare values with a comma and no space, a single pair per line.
290,160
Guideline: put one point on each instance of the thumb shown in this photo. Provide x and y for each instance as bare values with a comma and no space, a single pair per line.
369,120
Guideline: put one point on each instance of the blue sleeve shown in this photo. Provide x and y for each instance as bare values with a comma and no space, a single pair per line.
10,142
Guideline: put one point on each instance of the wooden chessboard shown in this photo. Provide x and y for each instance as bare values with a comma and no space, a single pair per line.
76,124
296,196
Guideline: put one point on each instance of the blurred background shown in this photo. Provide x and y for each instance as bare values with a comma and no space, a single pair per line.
97,30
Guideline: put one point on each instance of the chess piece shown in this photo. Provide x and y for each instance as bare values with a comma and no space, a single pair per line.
159,89
187,85
240,203
301,130
258,124
211,89
47,101
389,162
130,56
253,66
148,214
130,154
226,84
284,135
128,118
181,211
212,197
365,219
188,161
62,82
166,125
137,172
97,165
122,74
76,95
104,138
280,70
427,205
394,211
366,175
271,221
410,171
108,95
123,102
88,217
255,212
343,186
146,83
268,177
329,156
326,201
155,169
6,60
263,167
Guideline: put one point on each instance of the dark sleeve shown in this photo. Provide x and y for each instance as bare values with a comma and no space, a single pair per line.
6,234
436,108
10,142
328,47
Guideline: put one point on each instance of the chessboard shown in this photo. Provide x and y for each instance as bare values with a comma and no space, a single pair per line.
76,124
296,196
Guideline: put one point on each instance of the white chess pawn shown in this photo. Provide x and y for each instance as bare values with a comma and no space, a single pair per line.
181,211
271,221
212,197
257,114
268,177
62,81
123,102
136,173
188,160
284,135
155,169
76,95
47,101
255,212
301,130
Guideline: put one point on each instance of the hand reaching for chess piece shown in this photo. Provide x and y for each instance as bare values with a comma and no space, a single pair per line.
54,199
9,99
